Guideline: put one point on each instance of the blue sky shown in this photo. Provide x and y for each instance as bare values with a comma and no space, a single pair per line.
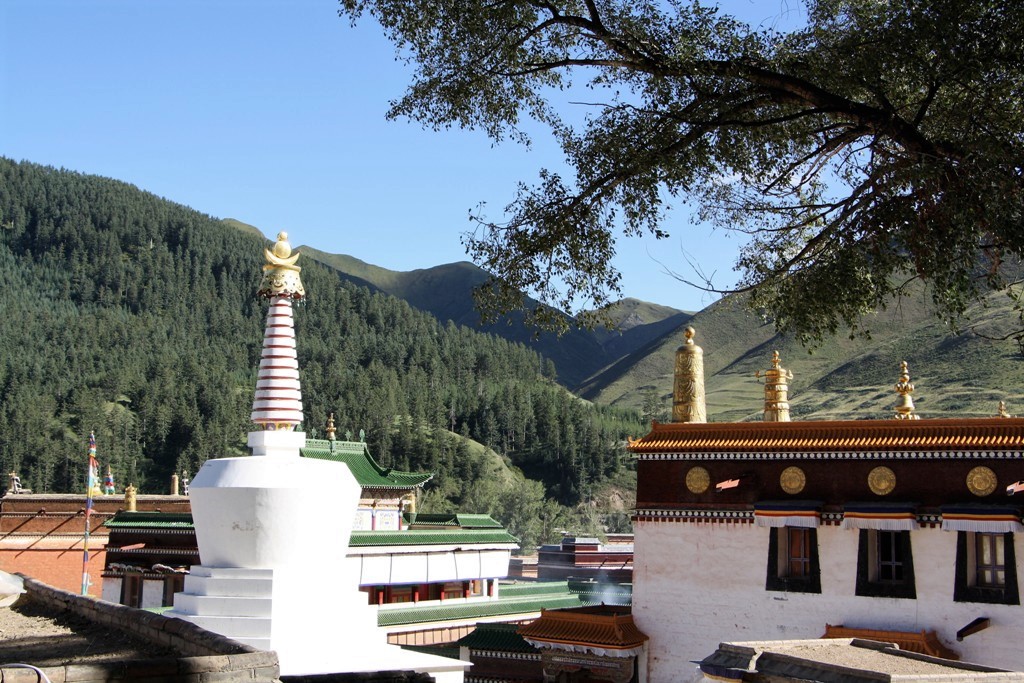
272,112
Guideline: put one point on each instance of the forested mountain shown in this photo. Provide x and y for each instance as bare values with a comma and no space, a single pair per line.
446,291
136,317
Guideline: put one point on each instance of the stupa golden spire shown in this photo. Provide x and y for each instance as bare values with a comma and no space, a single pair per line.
280,274
905,409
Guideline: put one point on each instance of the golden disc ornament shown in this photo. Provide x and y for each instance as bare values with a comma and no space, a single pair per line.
792,480
981,481
698,480
881,481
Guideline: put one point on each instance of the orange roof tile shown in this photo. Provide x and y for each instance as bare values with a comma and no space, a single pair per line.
606,626
978,434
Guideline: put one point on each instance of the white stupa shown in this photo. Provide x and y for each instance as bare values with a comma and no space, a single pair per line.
273,529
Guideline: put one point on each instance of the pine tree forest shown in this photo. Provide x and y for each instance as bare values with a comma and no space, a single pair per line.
136,318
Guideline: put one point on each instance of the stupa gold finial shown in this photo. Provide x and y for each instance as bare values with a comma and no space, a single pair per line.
280,274
1002,410
688,390
129,498
776,391
905,409
331,431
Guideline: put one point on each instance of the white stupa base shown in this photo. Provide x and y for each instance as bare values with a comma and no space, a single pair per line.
273,538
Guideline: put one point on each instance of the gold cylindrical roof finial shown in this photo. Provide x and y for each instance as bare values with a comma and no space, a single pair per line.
688,389
1003,412
129,498
776,391
905,409
331,431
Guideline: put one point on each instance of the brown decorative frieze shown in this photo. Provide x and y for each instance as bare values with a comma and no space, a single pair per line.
832,455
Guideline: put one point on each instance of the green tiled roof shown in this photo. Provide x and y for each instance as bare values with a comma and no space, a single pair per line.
503,637
535,588
150,520
442,536
451,519
475,610
362,465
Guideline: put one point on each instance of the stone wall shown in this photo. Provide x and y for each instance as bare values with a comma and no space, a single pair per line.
207,657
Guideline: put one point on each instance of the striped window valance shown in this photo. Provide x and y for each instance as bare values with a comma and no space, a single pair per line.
995,519
881,516
801,513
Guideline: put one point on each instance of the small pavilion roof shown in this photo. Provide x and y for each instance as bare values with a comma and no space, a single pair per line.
608,627
461,520
364,468
915,436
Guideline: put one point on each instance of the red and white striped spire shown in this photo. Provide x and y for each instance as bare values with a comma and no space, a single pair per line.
278,401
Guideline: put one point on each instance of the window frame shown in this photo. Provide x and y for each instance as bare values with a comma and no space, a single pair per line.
870,561
966,588
778,577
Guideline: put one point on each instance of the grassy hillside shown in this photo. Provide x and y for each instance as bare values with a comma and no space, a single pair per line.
955,374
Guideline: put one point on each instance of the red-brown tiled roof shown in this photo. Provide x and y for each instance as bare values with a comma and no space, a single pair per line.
606,626
982,434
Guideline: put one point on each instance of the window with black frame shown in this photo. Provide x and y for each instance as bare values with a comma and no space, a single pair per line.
793,560
986,568
885,564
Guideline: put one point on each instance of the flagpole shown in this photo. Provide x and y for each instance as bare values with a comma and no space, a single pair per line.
90,484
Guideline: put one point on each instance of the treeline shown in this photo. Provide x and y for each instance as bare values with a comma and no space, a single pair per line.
135,317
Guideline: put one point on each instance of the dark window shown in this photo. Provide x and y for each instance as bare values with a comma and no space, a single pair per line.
885,564
793,560
986,568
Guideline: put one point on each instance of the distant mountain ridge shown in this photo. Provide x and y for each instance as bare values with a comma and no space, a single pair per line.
445,291
956,374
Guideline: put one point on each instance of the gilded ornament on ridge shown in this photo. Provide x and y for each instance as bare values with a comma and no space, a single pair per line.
881,481
981,481
792,480
698,480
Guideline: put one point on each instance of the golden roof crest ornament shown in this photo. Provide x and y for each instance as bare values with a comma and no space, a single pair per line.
1002,410
905,409
776,391
688,390
280,274
332,431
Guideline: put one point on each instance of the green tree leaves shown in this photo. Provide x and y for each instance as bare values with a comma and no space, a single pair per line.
877,143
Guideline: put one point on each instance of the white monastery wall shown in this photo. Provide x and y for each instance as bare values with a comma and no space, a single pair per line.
696,585
430,566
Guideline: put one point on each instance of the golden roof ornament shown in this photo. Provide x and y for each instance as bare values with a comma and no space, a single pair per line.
688,389
129,498
776,391
280,274
905,409
331,431
1002,410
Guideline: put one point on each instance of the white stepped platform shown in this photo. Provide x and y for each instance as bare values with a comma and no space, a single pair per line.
234,627
229,582
223,605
